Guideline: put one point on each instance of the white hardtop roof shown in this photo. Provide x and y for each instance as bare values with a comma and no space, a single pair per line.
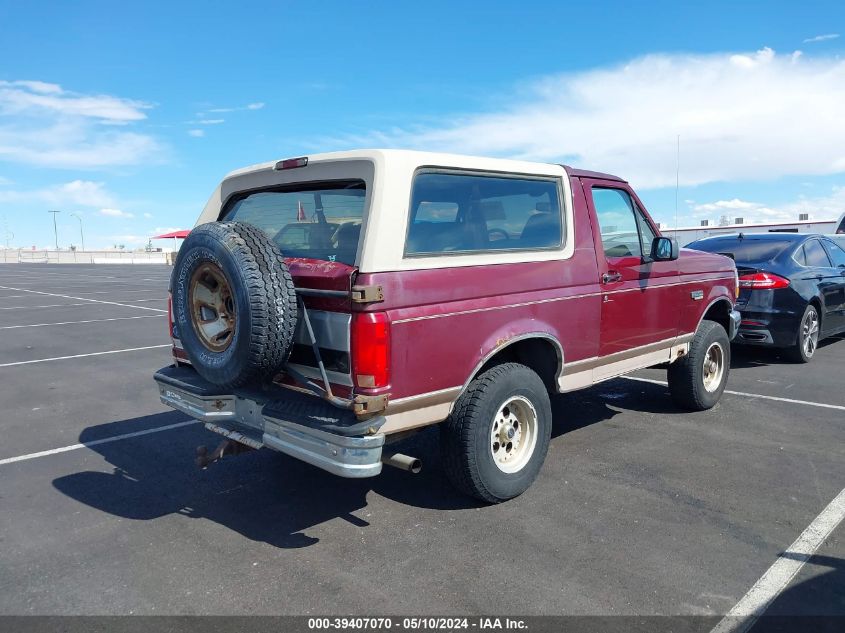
419,158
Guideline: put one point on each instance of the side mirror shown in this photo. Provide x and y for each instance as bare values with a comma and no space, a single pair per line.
664,249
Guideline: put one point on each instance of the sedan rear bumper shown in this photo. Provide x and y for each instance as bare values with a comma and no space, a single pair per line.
773,329
736,319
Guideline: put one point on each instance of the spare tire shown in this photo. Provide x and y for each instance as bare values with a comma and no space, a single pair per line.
234,303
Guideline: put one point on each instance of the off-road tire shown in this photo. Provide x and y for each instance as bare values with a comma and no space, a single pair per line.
465,435
686,375
796,353
264,301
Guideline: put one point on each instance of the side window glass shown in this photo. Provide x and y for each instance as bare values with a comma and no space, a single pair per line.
799,256
816,255
456,212
615,212
836,254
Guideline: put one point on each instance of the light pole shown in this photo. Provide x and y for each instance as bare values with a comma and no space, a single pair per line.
55,230
9,235
81,234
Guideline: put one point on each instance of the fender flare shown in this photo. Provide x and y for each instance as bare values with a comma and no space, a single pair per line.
497,349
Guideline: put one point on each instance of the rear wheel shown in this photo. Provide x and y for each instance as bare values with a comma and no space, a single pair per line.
807,339
697,380
496,439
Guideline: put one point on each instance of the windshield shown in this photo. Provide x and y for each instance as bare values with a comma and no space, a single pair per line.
317,220
747,250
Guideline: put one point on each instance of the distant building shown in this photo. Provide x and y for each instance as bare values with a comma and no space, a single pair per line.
685,235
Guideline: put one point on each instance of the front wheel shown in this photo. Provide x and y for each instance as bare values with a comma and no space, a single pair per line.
697,380
495,441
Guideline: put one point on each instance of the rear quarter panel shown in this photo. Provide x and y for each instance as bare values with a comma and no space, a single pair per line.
446,321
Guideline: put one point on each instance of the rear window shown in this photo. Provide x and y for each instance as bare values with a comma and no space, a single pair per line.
317,220
747,250
460,213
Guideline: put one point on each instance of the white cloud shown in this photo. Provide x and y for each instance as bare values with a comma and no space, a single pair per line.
25,96
821,38
83,193
740,117
116,213
828,207
161,230
147,216
211,121
43,124
196,133
41,87
129,240
250,106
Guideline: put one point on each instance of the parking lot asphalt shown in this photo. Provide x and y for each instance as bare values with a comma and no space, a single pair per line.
640,508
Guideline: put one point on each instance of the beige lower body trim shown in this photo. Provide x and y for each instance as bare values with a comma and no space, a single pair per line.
414,412
584,373
416,418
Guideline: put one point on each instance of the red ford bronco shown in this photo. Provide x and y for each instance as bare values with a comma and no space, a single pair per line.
326,306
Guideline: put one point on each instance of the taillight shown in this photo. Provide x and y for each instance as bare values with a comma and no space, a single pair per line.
763,281
292,163
370,349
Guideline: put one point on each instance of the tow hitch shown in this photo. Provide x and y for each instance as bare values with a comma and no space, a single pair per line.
226,447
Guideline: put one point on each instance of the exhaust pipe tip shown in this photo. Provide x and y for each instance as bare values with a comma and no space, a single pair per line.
403,462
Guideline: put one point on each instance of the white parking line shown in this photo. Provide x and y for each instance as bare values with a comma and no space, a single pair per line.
54,305
145,316
87,292
114,303
113,351
114,438
755,396
754,603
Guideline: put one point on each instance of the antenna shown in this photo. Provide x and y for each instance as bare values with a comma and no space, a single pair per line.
677,177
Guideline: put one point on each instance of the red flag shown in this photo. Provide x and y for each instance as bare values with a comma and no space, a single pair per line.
300,212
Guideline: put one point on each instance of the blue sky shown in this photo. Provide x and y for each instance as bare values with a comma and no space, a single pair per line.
128,114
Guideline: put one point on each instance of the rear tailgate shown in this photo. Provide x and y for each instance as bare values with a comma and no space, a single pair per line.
330,316
324,288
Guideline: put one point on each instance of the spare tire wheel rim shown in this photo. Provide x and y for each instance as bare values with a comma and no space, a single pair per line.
213,311
714,367
513,434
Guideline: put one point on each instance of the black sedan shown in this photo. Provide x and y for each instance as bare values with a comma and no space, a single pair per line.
791,288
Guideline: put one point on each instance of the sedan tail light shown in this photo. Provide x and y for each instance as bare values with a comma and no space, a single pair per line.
763,281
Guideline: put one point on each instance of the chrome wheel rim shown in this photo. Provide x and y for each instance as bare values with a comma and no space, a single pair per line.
810,333
212,307
513,434
714,367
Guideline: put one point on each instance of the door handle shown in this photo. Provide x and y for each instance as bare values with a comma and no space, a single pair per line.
611,276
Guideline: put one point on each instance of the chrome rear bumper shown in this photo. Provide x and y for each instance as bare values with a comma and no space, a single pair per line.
302,426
